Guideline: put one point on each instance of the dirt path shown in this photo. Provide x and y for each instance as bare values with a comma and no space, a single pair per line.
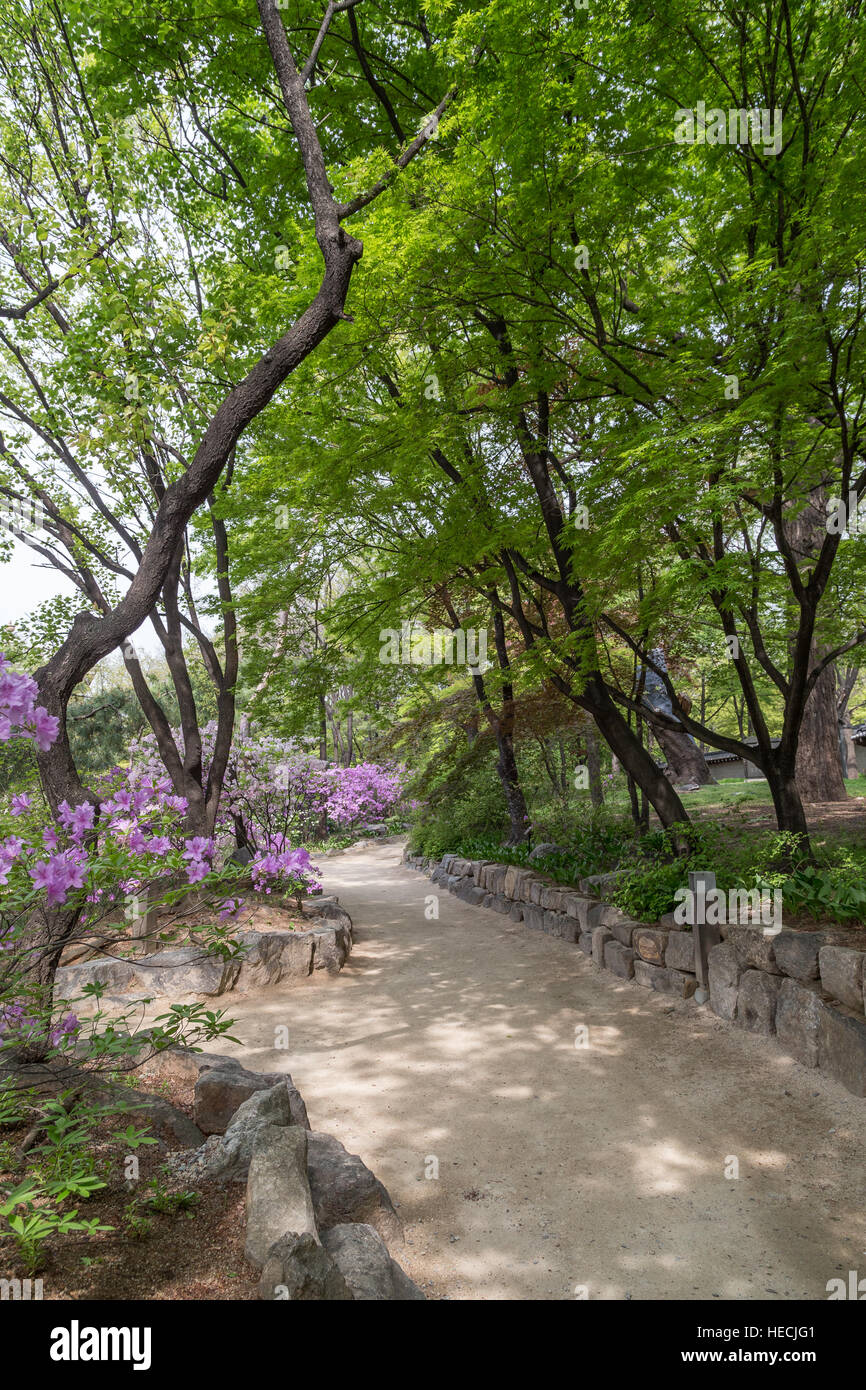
560,1166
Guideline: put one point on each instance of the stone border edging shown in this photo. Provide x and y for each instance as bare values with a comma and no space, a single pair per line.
271,958
801,987
318,1221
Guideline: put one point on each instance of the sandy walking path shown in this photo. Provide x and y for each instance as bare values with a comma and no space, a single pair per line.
449,1046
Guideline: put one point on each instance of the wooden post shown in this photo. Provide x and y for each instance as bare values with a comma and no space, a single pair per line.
706,935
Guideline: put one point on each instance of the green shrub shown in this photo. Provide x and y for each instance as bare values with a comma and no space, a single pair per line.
650,891
469,807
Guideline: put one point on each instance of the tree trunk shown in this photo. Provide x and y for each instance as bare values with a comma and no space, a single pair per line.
634,758
350,738
849,747
506,766
686,762
788,805
593,766
323,730
844,688
819,766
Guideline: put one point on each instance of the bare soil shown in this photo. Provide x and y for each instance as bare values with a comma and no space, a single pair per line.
183,1255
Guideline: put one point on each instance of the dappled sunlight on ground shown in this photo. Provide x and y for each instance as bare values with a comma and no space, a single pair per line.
528,1166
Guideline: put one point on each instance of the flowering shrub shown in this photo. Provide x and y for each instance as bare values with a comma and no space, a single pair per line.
273,791
61,881
65,879
143,808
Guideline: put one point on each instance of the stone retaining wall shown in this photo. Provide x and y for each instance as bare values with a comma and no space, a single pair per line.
805,988
319,1223
267,958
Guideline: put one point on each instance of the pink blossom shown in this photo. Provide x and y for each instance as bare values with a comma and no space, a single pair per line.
45,727
198,848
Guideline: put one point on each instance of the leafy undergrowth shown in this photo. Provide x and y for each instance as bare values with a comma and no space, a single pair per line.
830,891
159,1240
597,847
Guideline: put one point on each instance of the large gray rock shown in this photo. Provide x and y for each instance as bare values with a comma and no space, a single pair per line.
557,924
569,927
361,1256
755,951
116,975
221,1091
514,877
623,930
184,970
599,884
650,943
344,1189
278,1192
576,906
600,937
644,971
329,910
530,883
842,975
230,1159
756,1004
619,959
664,981
796,953
842,1047
164,1120
271,957
469,892
680,950
607,915
552,898
496,879
798,1017
543,850
299,1270
183,1066
533,916
723,973
164,973
537,891
680,983
331,947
